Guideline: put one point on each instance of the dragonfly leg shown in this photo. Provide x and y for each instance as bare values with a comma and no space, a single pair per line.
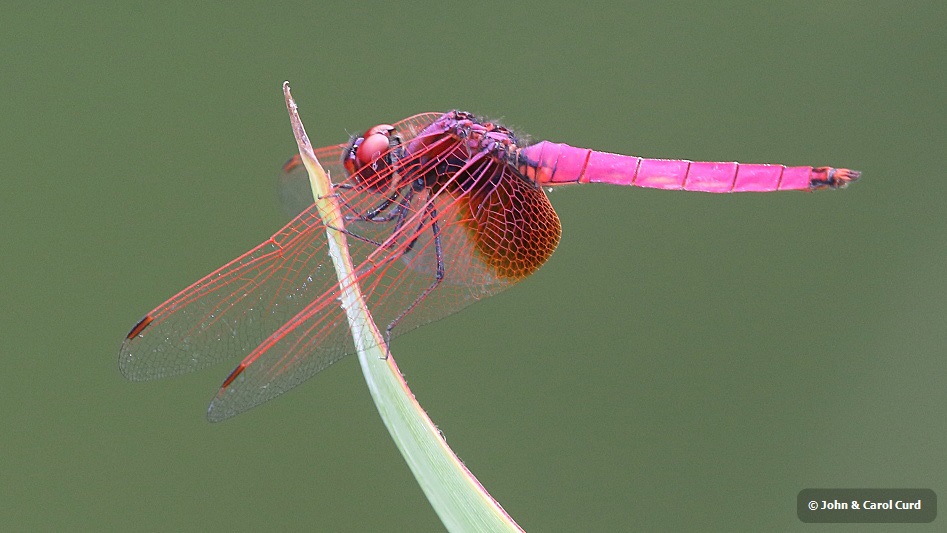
438,277
354,235
372,214
399,214
410,246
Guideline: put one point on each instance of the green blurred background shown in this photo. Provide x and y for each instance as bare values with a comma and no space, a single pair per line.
684,362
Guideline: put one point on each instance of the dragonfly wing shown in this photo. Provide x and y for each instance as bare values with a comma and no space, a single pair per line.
295,192
307,344
489,240
233,309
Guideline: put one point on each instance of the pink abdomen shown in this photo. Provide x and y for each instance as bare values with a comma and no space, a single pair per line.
548,163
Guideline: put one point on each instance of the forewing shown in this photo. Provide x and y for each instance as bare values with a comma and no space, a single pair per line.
233,309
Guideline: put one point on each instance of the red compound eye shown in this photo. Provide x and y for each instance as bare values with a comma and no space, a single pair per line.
371,148
368,160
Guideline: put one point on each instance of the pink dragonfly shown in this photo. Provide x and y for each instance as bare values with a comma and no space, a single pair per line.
441,209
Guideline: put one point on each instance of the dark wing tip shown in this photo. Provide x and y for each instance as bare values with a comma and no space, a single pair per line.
139,327
291,165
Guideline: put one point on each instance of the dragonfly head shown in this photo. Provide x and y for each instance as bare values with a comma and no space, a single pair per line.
368,157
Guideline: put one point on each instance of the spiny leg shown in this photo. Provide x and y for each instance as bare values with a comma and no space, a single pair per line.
438,277
417,233
372,214
402,216
398,214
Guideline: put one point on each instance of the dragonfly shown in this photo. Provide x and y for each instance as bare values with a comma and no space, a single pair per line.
441,210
